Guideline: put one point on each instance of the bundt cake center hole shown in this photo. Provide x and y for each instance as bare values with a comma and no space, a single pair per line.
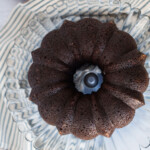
88,79
91,80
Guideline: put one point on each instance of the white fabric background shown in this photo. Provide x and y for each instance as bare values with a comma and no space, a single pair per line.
6,6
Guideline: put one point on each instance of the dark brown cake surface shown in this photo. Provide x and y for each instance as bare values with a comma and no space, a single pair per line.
65,50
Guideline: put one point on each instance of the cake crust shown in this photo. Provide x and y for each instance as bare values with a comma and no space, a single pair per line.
62,52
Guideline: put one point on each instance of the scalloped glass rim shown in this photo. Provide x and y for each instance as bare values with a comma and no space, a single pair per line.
25,113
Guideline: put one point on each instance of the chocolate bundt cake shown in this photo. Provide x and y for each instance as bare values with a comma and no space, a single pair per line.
88,78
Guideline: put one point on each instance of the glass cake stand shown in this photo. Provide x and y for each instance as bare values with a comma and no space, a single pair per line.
43,18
